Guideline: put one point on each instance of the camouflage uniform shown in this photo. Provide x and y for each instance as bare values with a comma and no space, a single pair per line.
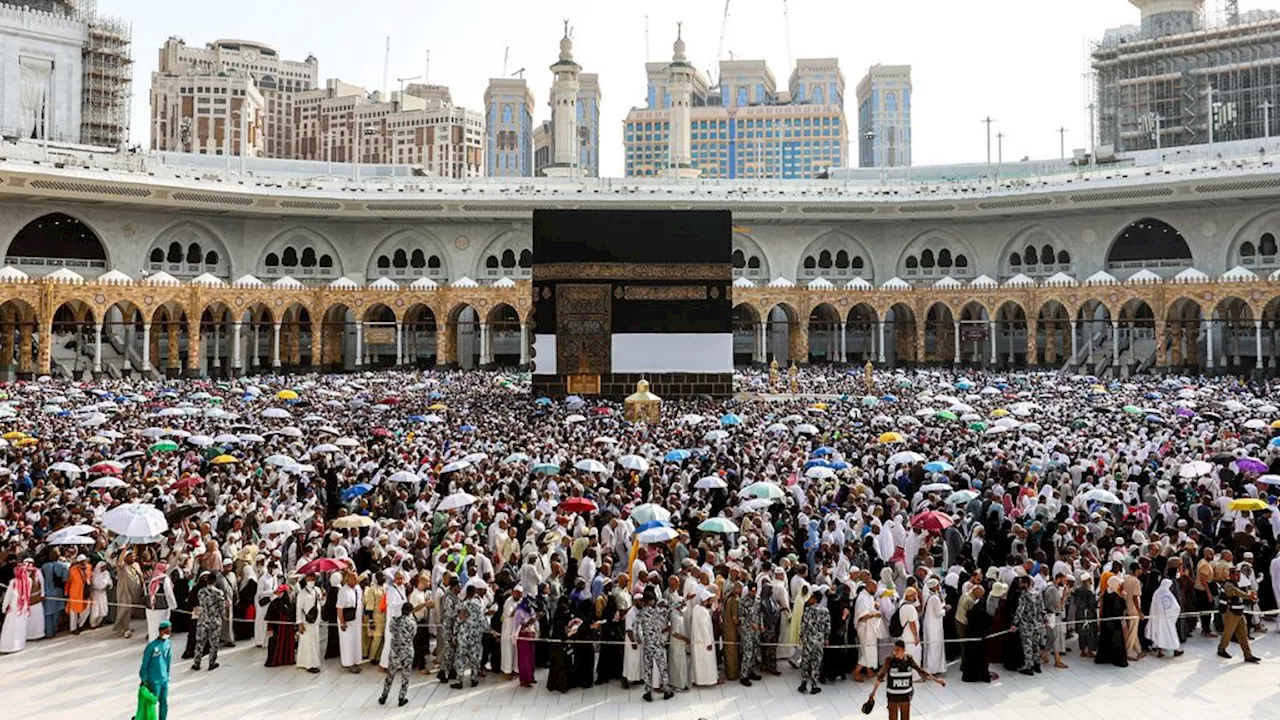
654,635
450,603
403,628
470,634
748,636
815,626
213,603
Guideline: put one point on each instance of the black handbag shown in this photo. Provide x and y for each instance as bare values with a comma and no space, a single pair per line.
348,614
312,614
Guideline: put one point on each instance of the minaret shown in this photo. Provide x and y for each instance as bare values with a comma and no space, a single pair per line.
680,86
564,112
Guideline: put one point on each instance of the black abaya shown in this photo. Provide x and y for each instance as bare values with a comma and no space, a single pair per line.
609,666
561,653
973,655
329,614
1111,647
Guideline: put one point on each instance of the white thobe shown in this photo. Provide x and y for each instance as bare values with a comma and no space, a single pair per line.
509,633
868,629
308,633
702,640
13,637
632,656
266,591
935,658
397,596
349,639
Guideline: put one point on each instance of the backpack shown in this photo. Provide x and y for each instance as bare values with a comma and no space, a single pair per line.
895,624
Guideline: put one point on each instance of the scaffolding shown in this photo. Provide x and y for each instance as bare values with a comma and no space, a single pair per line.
1220,82
107,79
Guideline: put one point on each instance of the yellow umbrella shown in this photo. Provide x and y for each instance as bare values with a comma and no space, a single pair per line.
999,412
1275,424
26,442
14,435
819,406
438,406
287,395
1247,504
224,460
890,437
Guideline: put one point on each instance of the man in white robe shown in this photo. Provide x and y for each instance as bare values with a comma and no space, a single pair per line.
507,641
632,656
868,620
350,599
703,641
267,583
308,599
935,659
17,608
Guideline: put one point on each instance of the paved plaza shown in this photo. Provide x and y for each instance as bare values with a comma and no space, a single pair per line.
95,676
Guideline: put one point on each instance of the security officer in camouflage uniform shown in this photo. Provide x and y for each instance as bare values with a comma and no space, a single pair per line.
471,627
449,606
400,662
213,606
654,624
749,629
815,626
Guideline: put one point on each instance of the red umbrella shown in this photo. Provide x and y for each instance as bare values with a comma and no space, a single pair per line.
390,400
932,520
324,565
578,504
105,469
601,411
189,481
381,432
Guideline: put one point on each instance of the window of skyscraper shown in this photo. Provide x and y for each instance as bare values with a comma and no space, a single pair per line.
742,95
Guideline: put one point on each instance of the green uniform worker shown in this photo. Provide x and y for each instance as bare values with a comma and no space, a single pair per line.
154,672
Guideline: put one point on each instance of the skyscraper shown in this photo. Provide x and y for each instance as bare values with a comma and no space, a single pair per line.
884,117
508,104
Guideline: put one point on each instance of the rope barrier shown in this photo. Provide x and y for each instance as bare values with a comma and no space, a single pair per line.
568,641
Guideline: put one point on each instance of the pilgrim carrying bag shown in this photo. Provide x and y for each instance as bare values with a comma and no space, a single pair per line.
348,614
312,614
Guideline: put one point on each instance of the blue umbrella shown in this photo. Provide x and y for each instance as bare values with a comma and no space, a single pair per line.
676,456
466,428
546,469
652,524
543,401
823,451
1152,396
435,395
890,398
1275,442
730,419
356,491
938,466
417,418
817,462
964,385
838,465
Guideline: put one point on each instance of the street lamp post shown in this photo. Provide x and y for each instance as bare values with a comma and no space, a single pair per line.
988,122
1265,107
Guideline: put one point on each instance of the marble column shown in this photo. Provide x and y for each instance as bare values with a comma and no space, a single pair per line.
880,344
146,347
524,344
236,365
955,342
844,356
359,344
399,343
275,346
97,348
1115,345
991,329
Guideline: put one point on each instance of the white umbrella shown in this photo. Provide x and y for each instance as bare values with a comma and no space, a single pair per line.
935,487
403,476
279,527
299,469
590,465
281,460
819,472
200,440
455,466
575,418
276,413
94,420
906,457
476,457
107,482
71,540
648,512
776,429
1256,424
1195,468
634,462
347,442
715,435
433,419
691,419
226,439
252,438
290,431
456,500
806,429
657,535
154,432
324,448
66,468
764,489
179,434
605,440
711,482
1102,496
71,531
135,520
961,496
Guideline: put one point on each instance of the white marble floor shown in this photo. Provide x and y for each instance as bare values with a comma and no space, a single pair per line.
94,676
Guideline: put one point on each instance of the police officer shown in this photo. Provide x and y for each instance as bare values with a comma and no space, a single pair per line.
1233,622
815,626
749,628
654,623
900,670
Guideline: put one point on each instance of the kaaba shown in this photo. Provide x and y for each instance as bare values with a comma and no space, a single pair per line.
621,296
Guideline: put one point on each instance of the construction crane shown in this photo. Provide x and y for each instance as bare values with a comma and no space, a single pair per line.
786,26
505,53
724,25
519,73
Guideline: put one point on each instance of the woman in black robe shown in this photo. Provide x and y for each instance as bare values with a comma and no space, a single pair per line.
282,633
244,611
949,630
609,667
181,617
1111,647
329,614
584,654
835,662
973,655
1011,653
561,653
997,621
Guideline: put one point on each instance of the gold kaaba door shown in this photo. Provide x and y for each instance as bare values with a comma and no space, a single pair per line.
584,326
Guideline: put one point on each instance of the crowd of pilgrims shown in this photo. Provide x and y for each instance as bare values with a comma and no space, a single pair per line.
1004,522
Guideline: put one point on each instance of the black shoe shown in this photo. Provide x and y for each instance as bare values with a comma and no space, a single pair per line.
382,700
213,666
754,676
626,684
195,666
228,644
456,686
1026,672
1037,668
441,676
403,702
648,697
815,690
474,682
745,682
1224,654
804,688
313,671
667,695
1253,659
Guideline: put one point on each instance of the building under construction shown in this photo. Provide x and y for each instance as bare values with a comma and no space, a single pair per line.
1186,76
108,79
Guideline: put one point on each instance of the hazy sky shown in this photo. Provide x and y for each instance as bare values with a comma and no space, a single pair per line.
1020,61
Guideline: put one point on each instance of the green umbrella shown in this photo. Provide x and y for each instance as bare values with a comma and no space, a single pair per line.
546,469
718,525
979,426
945,415
164,446
1079,423
1133,409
